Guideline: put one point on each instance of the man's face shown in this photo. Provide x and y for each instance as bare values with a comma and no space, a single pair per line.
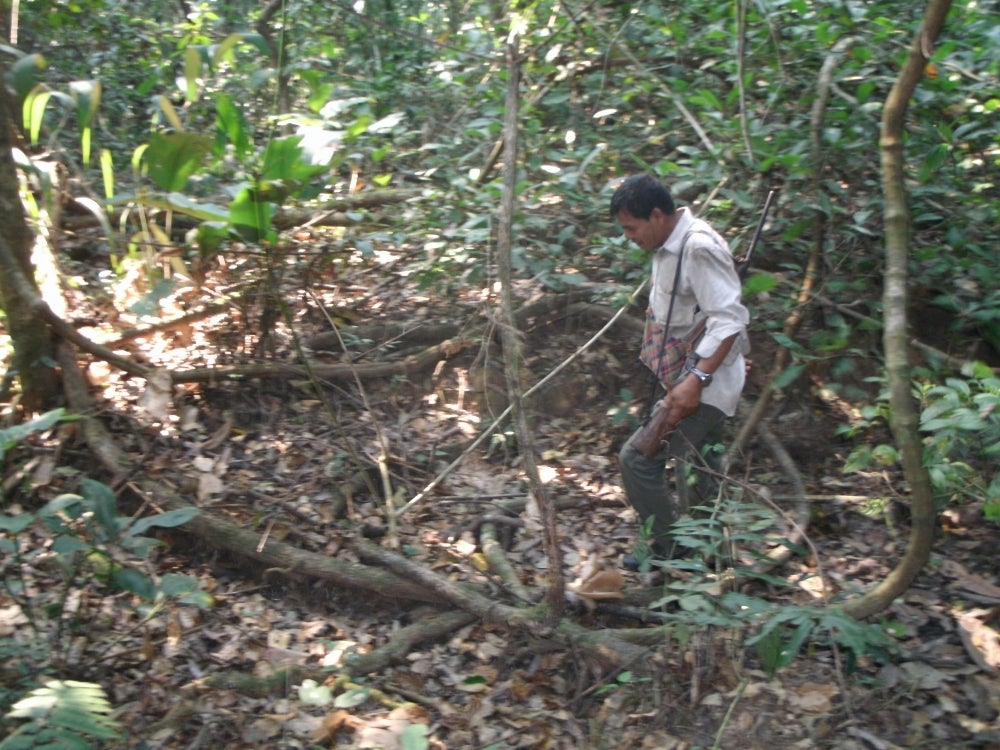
649,234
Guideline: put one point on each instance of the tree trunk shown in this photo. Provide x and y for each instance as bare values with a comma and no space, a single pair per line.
511,338
905,415
33,348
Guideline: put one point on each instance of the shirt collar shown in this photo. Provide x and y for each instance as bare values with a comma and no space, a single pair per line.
673,242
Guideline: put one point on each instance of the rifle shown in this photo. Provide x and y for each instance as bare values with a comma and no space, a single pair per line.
651,437
742,263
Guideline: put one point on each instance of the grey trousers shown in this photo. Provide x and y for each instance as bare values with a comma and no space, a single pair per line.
645,478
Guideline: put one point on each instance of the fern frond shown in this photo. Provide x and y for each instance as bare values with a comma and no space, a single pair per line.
59,715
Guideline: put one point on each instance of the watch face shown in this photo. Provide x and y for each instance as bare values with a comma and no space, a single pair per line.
704,377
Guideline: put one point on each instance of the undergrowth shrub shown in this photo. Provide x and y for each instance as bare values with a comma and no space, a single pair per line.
726,541
58,566
61,715
960,418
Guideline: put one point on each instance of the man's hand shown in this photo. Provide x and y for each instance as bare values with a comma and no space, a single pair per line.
684,397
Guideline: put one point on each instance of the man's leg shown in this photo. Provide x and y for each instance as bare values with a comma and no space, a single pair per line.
695,477
644,480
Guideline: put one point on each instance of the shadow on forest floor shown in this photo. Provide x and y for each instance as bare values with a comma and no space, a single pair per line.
282,459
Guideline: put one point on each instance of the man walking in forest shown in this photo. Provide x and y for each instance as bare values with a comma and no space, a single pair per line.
694,298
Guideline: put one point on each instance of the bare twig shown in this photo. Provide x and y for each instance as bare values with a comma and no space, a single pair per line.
729,713
383,443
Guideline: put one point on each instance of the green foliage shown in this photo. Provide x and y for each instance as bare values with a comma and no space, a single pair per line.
393,93
787,630
962,452
961,420
93,547
172,158
415,737
13,436
735,535
411,93
24,660
68,715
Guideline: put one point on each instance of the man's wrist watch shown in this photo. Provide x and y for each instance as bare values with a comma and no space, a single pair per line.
704,377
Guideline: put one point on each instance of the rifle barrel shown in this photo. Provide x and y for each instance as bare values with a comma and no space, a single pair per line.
744,262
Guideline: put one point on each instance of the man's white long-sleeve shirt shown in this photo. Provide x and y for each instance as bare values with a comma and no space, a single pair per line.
708,286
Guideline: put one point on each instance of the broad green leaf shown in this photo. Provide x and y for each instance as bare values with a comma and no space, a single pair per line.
67,503
173,584
789,376
258,42
251,217
26,73
186,590
232,124
192,72
68,545
13,436
169,519
791,648
16,524
415,737
103,501
177,202
758,283
210,235
352,698
87,97
78,706
313,694
787,342
135,582
33,112
168,110
283,160
223,51
173,157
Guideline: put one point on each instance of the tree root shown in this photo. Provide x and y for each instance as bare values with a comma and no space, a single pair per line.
499,564
608,649
798,521
425,628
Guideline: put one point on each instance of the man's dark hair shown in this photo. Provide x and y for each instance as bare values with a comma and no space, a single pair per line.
639,195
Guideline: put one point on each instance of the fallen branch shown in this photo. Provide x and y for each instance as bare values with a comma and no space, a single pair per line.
427,627
606,647
331,213
333,372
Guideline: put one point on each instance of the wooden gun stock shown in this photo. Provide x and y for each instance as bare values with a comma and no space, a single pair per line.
650,438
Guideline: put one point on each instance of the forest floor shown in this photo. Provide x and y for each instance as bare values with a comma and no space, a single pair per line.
274,456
